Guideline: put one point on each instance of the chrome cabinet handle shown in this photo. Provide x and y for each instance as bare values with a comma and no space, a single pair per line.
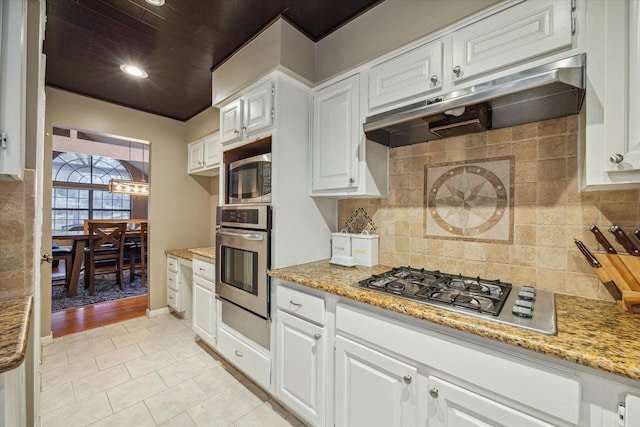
297,304
457,70
616,158
238,353
317,336
433,393
351,180
434,79
407,379
236,131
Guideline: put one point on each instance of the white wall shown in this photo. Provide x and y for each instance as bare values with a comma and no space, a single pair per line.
388,26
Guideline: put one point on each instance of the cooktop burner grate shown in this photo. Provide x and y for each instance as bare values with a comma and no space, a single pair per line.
476,294
472,295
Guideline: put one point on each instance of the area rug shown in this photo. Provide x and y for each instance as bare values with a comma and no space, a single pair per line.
106,289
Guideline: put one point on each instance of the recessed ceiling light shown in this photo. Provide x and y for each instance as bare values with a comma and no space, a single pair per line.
155,2
134,71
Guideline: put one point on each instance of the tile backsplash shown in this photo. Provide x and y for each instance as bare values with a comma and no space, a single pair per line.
549,210
17,218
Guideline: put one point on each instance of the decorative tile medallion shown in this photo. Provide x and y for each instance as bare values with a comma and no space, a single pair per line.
470,200
360,221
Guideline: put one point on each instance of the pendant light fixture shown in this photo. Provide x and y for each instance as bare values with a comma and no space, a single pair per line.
134,188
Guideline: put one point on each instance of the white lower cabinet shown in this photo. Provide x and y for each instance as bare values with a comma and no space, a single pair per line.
204,301
13,410
300,366
179,286
452,405
373,389
245,357
393,371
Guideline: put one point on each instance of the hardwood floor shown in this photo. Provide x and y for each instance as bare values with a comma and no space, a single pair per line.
93,316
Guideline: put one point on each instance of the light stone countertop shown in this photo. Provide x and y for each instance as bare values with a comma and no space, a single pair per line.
15,317
592,333
206,252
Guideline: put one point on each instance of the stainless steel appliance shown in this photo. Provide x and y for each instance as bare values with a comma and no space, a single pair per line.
525,307
549,91
243,246
249,180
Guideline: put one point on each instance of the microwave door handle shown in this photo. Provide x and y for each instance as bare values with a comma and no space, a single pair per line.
242,236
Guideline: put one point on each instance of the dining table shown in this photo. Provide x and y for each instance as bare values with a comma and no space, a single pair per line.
80,239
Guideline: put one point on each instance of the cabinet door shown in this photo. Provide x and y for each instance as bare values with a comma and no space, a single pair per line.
196,156
204,305
300,366
451,405
211,154
258,108
522,32
336,130
12,82
407,76
622,140
373,389
231,121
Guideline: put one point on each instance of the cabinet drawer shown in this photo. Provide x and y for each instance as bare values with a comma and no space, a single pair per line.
307,306
256,365
172,264
204,269
172,280
173,299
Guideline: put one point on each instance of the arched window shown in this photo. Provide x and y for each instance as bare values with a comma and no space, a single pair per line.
80,190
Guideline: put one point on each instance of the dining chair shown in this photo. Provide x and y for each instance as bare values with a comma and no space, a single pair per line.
105,253
63,254
138,255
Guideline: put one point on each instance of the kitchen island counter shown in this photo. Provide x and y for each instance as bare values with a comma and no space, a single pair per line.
14,330
592,333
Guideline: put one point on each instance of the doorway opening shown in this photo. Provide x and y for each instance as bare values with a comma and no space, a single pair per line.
97,178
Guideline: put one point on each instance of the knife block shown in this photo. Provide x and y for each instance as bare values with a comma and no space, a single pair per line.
624,272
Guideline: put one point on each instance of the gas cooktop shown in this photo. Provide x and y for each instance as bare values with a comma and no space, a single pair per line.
524,307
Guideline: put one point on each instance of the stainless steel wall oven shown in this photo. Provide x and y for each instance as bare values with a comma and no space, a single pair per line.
243,254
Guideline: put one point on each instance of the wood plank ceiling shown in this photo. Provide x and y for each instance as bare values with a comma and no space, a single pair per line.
178,44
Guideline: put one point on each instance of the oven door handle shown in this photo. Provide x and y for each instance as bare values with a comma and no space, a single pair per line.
252,236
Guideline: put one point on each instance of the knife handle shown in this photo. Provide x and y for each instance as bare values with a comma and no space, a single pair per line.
636,233
602,240
587,254
624,240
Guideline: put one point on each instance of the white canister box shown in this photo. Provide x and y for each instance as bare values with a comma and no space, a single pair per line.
341,249
364,249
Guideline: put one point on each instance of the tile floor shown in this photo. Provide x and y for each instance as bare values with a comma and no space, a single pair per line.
148,372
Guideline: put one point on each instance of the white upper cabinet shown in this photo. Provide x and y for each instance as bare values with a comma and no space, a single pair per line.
343,162
12,87
248,114
611,145
521,33
407,76
335,135
204,156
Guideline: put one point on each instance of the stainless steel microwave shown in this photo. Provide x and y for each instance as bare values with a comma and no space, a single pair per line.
249,180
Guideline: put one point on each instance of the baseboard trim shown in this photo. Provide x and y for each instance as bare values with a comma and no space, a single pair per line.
47,340
157,312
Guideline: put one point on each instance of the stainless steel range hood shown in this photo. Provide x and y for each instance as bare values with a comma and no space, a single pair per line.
545,92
